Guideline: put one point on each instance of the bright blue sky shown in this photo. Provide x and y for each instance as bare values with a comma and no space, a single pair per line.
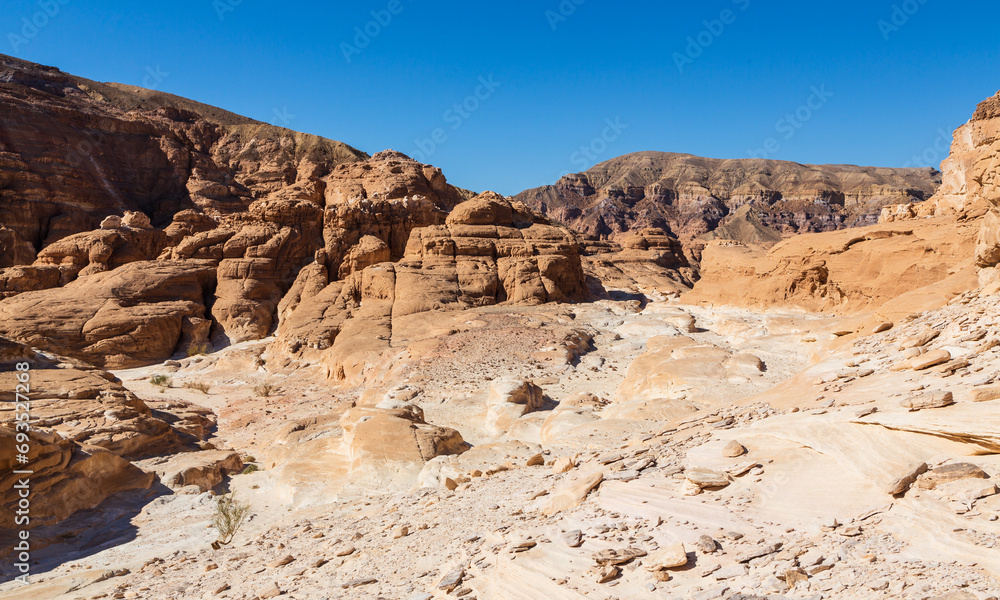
558,86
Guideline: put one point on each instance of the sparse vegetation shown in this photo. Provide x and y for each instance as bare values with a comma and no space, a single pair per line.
249,458
264,389
198,385
160,380
230,514
250,468
197,349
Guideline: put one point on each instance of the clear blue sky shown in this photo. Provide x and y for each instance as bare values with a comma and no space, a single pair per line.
561,77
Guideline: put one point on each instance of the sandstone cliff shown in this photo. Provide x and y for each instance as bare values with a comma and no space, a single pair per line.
971,186
932,249
489,251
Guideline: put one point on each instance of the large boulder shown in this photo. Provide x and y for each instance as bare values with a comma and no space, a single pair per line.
394,443
508,400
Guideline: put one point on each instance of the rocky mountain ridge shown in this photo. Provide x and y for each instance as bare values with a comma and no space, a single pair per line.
691,197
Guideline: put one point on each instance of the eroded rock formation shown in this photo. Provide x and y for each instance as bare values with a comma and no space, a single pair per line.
489,251
86,430
126,184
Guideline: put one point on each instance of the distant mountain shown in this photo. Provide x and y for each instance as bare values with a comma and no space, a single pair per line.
692,197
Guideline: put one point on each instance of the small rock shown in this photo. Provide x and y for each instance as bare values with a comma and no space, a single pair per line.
731,571
950,472
280,562
573,538
706,478
793,577
902,484
985,394
673,556
928,400
563,464
617,557
269,591
706,544
968,490
537,460
733,449
757,552
451,580
607,573
930,359
882,327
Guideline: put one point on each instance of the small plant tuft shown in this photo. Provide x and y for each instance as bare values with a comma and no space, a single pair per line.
230,514
251,468
161,380
264,389
197,349
198,385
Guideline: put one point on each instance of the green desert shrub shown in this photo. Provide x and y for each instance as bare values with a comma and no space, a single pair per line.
160,380
230,515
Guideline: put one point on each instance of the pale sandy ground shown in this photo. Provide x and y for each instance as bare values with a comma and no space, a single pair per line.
812,462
